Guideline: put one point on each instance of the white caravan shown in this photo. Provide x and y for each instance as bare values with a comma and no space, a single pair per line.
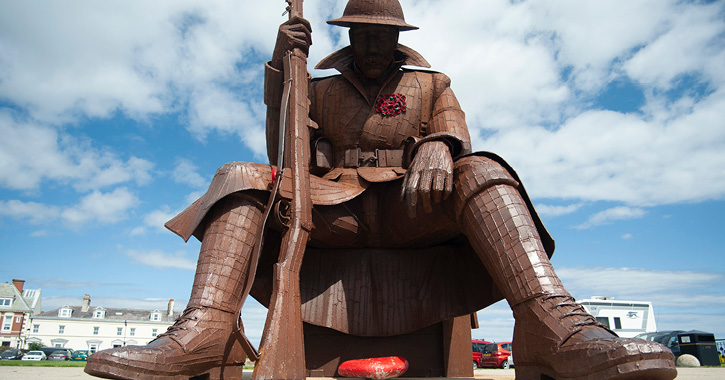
626,318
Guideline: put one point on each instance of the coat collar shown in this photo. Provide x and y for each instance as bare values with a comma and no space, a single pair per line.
342,61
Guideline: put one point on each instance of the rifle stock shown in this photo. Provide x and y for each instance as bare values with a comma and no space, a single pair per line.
282,354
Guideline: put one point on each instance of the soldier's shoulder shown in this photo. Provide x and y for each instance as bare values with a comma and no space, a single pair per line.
439,80
326,78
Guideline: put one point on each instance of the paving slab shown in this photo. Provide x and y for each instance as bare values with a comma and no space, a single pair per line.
76,373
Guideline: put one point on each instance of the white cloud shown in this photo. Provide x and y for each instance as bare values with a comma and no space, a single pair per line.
55,302
682,300
62,283
160,259
31,154
529,75
691,44
100,207
549,210
496,323
185,172
526,76
627,236
137,231
666,288
157,218
612,214
35,213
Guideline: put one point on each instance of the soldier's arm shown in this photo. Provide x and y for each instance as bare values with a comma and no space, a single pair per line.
448,121
429,178
295,33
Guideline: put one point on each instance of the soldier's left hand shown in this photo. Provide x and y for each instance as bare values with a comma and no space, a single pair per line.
429,178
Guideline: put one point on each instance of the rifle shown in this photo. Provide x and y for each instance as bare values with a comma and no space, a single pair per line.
282,354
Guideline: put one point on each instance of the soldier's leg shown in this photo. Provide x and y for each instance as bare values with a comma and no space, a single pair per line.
553,335
197,341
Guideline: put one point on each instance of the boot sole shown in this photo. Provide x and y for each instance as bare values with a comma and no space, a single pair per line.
226,372
653,369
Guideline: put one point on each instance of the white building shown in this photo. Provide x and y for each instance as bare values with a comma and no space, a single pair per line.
97,328
17,305
626,318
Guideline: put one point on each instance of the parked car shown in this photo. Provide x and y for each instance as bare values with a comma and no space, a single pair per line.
50,350
59,355
667,338
478,351
497,355
80,355
35,355
11,355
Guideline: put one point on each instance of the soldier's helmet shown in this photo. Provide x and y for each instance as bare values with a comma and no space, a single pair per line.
380,12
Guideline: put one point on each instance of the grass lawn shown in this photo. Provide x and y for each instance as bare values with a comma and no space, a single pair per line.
42,363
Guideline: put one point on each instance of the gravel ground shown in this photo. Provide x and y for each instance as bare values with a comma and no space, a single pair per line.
59,373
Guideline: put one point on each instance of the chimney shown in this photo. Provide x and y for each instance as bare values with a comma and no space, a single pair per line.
19,284
170,309
86,303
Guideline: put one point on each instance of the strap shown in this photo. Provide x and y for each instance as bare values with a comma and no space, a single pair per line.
382,158
425,80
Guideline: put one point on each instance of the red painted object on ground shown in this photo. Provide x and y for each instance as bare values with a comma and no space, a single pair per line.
374,368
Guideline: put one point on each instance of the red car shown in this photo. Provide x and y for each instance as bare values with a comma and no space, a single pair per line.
478,346
497,355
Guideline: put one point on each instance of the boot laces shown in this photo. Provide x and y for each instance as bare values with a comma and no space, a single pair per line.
575,309
179,324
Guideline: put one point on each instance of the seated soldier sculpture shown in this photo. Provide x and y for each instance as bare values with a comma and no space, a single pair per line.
393,144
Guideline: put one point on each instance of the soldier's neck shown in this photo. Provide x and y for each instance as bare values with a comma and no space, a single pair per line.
373,85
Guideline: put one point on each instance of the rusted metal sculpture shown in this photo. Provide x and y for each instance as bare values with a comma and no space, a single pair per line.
397,222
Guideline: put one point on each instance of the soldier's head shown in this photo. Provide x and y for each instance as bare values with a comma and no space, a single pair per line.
374,28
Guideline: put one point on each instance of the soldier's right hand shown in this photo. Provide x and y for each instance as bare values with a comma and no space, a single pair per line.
295,33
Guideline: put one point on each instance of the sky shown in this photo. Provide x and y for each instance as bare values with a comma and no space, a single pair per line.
114,116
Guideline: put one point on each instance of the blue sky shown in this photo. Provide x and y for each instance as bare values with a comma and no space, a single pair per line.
115,115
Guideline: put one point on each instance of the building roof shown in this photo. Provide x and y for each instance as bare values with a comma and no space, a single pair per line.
27,302
113,314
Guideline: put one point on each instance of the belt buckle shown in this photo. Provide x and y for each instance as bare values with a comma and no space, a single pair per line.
372,158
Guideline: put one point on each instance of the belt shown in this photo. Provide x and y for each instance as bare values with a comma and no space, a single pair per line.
355,158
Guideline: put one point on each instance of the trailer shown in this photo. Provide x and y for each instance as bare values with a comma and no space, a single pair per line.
626,318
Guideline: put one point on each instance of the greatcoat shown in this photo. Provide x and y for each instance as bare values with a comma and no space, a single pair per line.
368,270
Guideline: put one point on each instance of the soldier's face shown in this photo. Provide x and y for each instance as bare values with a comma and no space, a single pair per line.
373,47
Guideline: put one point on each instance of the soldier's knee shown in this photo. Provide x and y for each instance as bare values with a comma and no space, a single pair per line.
474,174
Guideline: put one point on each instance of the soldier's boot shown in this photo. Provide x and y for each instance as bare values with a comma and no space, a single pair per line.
201,343
554,337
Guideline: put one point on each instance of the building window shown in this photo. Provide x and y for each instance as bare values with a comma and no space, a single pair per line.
92,348
154,332
64,313
36,328
61,330
98,314
617,323
17,319
5,302
119,331
155,316
7,323
132,332
95,330
604,321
